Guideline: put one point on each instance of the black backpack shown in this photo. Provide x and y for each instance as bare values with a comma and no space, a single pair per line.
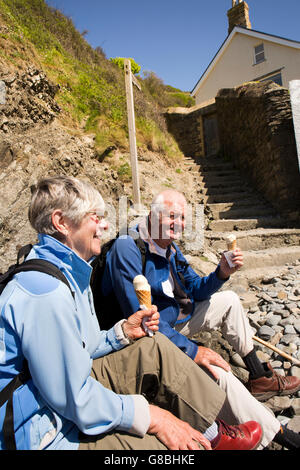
107,308
6,395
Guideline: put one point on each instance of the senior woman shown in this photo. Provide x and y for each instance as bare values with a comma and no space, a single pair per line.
86,389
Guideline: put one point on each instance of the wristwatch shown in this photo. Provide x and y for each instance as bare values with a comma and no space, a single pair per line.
120,333
130,340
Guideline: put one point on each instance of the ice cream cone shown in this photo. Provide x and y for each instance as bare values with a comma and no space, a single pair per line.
231,246
231,242
143,293
142,290
144,297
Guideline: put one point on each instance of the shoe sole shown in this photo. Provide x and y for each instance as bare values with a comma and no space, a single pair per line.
258,444
265,396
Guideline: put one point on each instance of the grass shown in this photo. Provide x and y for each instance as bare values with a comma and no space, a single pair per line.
91,88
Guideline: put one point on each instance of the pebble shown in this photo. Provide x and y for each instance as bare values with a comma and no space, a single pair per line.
276,319
277,311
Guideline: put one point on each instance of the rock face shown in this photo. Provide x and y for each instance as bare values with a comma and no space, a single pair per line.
35,143
29,100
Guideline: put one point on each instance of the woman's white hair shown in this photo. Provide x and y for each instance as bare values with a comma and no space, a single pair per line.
72,196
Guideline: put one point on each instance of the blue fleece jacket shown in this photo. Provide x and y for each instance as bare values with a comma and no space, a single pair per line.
124,262
59,337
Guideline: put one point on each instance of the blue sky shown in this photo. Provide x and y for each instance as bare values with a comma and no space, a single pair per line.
174,39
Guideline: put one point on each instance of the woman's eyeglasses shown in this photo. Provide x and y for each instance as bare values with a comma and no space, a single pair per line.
97,216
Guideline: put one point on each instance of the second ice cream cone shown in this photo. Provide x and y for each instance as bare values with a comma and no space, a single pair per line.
231,242
231,246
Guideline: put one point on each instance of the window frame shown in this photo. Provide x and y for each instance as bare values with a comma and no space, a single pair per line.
275,75
256,54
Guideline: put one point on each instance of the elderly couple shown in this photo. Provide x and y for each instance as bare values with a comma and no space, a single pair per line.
122,389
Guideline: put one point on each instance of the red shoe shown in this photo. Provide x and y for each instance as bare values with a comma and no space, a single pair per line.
245,436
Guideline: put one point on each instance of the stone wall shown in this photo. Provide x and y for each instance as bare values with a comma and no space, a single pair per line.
256,132
187,127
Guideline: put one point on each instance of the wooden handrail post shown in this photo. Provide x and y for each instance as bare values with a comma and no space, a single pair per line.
131,131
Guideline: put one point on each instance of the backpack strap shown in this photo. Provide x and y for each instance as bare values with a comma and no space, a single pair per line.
143,250
43,266
7,395
182,264
23,252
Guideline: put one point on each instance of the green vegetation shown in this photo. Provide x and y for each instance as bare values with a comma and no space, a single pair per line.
119,61
91,87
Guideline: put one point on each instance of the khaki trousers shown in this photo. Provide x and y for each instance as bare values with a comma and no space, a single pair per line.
225,311
156,368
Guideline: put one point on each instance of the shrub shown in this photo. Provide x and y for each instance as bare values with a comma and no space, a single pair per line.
119,61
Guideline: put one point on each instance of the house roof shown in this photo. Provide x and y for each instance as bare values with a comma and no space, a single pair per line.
248,32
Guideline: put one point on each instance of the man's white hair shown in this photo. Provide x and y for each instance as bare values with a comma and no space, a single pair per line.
74,197
163,199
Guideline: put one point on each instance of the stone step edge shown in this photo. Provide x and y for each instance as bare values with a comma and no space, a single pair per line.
253,232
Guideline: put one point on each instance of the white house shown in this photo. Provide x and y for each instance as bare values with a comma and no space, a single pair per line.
248,55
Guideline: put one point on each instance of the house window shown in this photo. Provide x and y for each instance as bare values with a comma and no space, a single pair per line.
277,78
259,54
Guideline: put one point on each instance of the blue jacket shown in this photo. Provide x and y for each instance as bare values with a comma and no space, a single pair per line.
124,262
59,337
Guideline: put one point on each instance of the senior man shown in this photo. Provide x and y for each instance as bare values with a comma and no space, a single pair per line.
189,303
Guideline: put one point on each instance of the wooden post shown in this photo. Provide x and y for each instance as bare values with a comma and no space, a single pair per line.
131,129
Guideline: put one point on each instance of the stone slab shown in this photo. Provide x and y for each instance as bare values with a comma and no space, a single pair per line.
294,87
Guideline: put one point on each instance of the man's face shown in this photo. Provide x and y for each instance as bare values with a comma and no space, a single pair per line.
169,224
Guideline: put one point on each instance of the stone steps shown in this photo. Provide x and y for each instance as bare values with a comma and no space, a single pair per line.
257,254
233,197
270,257
258,239
228,225
227,173
233,205
233,211
226,179
224,189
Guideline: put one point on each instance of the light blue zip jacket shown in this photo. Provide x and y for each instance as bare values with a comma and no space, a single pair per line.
60,336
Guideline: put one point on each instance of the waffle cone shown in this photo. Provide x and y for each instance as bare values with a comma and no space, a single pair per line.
231,246
144,297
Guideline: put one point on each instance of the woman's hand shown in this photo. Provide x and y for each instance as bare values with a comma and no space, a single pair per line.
133,326
174,433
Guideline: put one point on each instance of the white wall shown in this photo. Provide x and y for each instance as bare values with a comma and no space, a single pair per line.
236,65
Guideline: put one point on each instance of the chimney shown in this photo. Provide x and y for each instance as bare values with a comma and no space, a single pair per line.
238,15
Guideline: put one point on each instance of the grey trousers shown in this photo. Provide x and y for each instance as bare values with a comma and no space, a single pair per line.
156,368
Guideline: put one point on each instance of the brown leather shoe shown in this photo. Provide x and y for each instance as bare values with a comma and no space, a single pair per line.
266,387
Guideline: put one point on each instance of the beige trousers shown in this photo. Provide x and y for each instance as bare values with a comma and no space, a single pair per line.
225,311
167,377
222,310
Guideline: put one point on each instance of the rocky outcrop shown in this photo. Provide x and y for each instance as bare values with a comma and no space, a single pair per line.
34,142
29,100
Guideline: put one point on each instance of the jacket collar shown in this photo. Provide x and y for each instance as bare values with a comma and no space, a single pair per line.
142,228
63,257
